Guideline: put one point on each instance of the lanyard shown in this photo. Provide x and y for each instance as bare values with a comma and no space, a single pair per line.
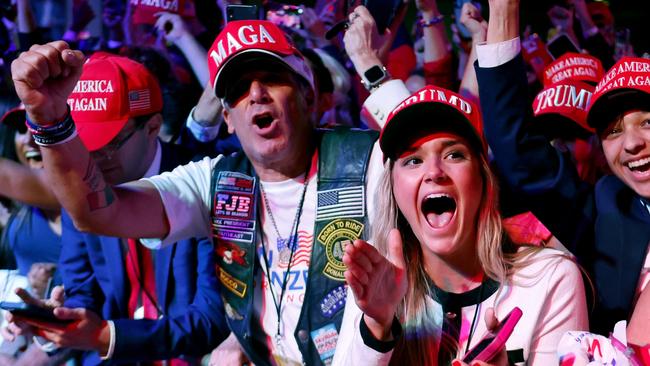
292,241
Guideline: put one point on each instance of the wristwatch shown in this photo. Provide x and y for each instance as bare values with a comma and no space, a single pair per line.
374,76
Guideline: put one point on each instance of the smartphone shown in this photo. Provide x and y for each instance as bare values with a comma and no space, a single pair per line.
242,12
32,312
560,45
492,342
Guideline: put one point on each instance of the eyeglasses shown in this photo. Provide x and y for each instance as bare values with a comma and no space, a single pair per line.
112,147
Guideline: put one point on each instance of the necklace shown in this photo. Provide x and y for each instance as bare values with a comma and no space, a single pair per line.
476,311
291,247
285,247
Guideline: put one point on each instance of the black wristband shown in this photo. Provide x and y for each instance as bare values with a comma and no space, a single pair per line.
374,343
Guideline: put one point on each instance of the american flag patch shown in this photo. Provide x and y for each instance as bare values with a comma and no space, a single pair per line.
341,202
139,99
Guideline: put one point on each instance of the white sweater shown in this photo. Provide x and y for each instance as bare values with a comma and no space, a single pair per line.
549,291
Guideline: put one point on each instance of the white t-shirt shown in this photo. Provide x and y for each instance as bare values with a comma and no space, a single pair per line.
185,193
549,291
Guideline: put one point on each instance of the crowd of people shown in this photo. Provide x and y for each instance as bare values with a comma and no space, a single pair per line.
215,184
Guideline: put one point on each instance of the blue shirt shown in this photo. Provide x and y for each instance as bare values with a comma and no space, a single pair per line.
32,240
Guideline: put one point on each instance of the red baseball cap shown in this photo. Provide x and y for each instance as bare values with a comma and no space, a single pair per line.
144,11
15,118
567,100
428,110
246,40
574,66
626,86
111,90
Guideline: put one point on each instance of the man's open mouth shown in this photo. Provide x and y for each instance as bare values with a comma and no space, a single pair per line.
641,165
439,209
263,120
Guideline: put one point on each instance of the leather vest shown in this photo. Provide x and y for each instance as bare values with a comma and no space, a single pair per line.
341,217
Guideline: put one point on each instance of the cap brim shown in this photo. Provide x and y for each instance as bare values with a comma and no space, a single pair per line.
419,120
556,125
611,105
97,135
230,70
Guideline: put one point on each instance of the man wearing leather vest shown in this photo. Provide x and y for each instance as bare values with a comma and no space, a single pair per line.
280,212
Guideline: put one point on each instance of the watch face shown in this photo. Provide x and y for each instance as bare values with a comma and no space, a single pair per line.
374,74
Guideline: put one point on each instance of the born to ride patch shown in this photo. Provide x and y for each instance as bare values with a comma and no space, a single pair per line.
335,236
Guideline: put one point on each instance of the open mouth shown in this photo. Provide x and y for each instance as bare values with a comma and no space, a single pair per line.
641,165
438,209
263,120
33,155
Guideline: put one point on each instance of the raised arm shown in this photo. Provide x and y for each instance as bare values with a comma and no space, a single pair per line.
436,44
525,160
174,30
471,18
44,77
362,43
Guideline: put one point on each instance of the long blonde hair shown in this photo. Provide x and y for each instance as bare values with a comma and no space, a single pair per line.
496,254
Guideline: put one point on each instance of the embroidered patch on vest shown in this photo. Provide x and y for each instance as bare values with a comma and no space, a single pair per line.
333,301
234,224
236,235
231,283
230,311
335,236
325,340
235,182
229,205
231,253
340,202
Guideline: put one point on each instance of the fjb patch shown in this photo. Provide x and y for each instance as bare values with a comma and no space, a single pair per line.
333,301
335,236
325,340
229,205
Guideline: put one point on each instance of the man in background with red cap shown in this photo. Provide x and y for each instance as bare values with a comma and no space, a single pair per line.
280,213
109,281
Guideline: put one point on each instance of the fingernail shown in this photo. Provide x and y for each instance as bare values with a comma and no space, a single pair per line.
456,363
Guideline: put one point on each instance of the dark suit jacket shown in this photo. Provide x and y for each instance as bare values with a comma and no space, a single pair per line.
605,226
193,323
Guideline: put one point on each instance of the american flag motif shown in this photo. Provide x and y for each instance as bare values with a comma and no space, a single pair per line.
139,99
303,253
341,202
